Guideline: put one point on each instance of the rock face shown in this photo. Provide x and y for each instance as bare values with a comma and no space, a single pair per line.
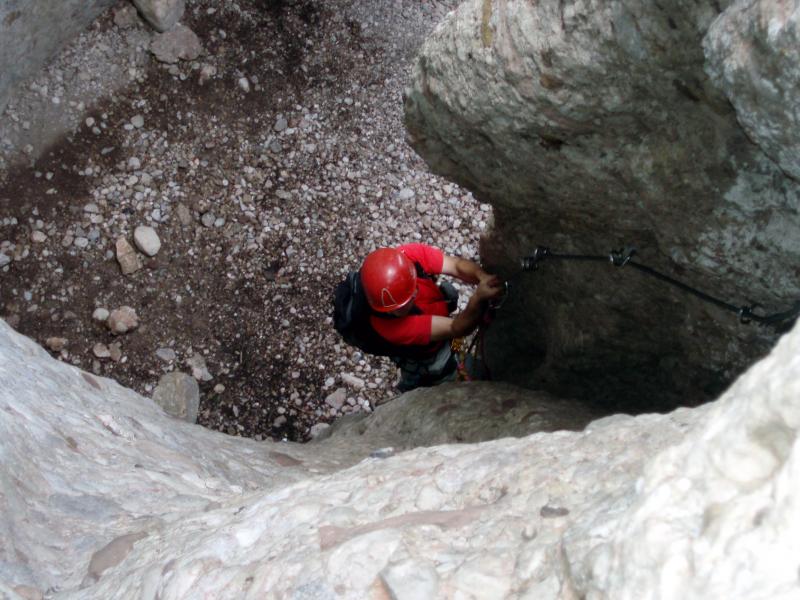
107,497
590,126
31,31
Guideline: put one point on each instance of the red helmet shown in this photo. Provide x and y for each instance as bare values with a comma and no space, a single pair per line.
389,279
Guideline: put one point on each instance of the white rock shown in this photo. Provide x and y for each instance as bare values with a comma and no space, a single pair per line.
146,239
100,314
337,399
137,121
161,14
122,320
353,381
37,237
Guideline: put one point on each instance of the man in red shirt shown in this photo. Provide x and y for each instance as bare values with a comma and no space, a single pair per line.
411,312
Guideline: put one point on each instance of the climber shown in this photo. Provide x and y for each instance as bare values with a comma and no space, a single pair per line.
408,316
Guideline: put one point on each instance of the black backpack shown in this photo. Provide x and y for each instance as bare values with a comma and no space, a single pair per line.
351,318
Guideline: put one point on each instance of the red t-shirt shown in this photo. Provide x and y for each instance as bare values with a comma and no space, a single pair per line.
416,329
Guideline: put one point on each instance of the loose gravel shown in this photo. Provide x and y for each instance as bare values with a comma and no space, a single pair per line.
257,174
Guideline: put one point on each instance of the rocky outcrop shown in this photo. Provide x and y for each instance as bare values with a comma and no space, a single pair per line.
590,126
104,496
31,31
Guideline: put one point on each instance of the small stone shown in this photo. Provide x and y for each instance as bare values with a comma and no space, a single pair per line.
353,381
100,314
56,344
127,258
244,84
134,164
166,354
91,208
184,215
219,388
179,396
281,123
337,399
122,320
115,350
147,240
280,421
125,16
405,194
177,44
81,242
37,237
4,260
198,366
208,219
318,429
137,121
101,351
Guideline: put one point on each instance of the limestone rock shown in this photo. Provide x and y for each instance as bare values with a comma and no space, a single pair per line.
127,258
698,503
177,44
147,240
199,369
179,395
56,344
589,126
122,320
161,14
337,399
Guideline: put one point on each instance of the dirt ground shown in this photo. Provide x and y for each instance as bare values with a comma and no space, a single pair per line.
268,166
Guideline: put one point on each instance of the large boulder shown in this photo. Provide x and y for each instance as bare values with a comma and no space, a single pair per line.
104,496
593,125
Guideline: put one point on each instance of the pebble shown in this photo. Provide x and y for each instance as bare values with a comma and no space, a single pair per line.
100,314
122,320
81,242
219,388
56,344
126,257
147,240
137,121
337,399
208,219
184,215
91,208
166,354
244,84
38,237
4,260
353,381
318,429
101,351
134,164
115,350
280,421
405,194
199,369
281,123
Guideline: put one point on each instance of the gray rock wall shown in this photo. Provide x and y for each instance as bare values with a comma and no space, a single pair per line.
31,31
104,496
593,125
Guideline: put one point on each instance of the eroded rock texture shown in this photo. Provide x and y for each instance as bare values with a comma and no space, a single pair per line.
593,125
104,496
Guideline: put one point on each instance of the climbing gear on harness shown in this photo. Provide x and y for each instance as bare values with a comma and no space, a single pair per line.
622,257
389,279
